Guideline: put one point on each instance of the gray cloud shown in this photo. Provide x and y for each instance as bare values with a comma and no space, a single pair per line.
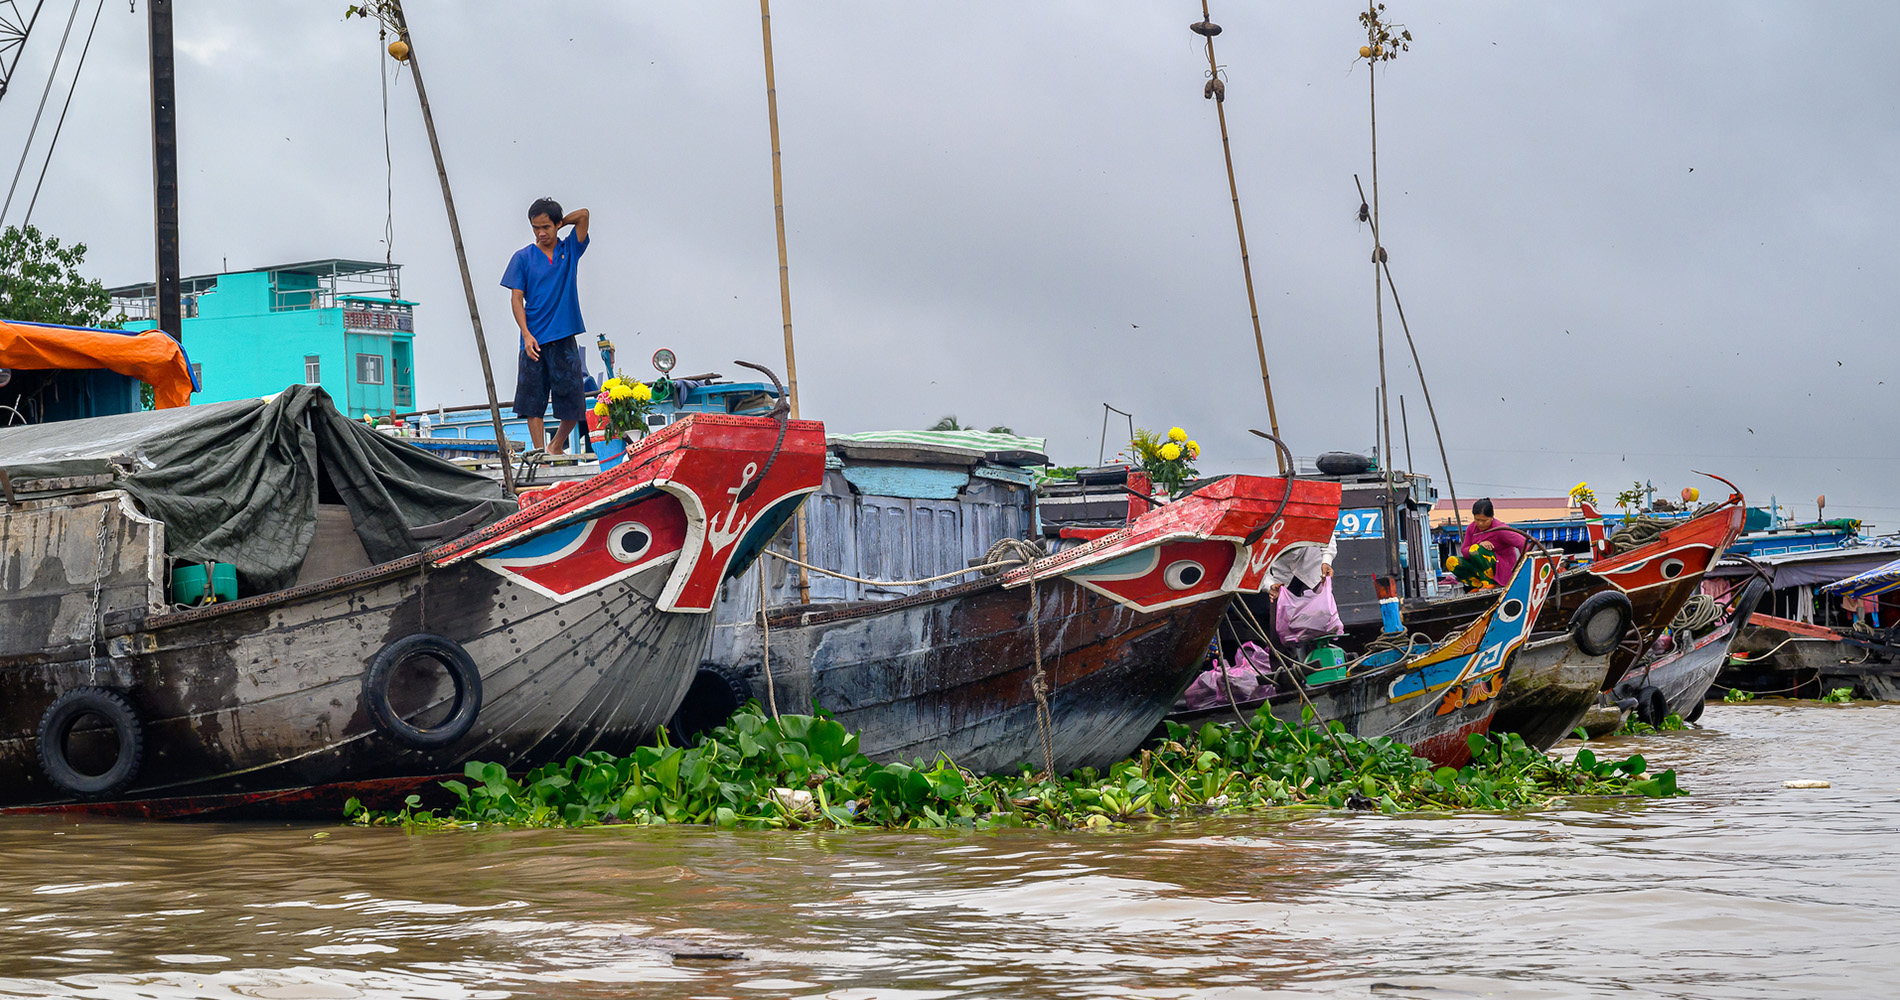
985,198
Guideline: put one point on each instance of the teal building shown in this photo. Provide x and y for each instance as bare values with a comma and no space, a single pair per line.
341,324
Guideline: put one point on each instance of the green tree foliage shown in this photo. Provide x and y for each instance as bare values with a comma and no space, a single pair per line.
948,422
40,281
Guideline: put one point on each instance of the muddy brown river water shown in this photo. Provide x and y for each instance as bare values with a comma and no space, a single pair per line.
1745,889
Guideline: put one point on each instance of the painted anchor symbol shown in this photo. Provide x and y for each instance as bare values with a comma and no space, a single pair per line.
722,536
1263,549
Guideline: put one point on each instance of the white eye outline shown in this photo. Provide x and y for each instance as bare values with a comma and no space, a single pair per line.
1672,568
1174,575
617,537
1511,610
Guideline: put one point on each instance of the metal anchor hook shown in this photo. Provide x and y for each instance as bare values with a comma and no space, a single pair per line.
782,413
1286,494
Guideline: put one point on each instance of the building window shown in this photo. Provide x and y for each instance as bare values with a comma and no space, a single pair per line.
312,370
369,369
198,375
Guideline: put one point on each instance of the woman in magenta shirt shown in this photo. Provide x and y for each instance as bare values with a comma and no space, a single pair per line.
1506,542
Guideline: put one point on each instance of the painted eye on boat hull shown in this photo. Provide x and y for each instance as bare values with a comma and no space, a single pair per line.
1671,569
1511,610
1182,574
628,542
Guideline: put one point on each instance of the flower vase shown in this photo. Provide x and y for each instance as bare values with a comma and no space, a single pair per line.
611,452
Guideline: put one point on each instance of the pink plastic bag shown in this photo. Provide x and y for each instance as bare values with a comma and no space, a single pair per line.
1245,680
1307,616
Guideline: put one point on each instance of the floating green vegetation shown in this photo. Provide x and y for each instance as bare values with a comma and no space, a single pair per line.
1839,696
1736,696
804,772
1632,726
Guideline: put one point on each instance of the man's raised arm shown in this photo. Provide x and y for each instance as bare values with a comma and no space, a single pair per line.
578,219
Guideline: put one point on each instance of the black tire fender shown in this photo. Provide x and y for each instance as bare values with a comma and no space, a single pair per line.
1696,712
717,691
461,669
1651,706
1600,621
57,723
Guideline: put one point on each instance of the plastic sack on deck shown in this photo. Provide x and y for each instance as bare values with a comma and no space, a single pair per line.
1311,615
1246,679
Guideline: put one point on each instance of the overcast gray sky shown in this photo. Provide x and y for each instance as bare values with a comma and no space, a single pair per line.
1632,238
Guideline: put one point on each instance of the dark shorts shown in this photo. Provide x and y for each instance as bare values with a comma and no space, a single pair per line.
557,377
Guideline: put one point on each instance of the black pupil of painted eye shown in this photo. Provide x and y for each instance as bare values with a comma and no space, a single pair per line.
1511,608
1190,575
632,541
1671,569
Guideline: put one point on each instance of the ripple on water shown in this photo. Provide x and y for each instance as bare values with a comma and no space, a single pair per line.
1746,889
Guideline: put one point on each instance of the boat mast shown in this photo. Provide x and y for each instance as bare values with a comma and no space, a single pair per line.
1379,48
401,24
784,282
1216,89
158,16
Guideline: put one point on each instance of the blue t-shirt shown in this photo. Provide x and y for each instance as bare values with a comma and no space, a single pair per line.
553,299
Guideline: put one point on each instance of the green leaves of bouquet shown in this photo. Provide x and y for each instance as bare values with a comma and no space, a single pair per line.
1166,460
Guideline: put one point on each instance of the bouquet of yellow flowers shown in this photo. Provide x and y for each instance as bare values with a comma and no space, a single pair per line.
625,404
1167,459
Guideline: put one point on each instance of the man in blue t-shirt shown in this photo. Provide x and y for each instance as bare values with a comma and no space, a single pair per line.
547,306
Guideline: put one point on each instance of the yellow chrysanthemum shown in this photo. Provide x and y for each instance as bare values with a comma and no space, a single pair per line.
1194,449
642,392
610,383
600,409
1170,451
1177,434
619,392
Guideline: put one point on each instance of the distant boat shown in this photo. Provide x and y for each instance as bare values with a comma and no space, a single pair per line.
1677,682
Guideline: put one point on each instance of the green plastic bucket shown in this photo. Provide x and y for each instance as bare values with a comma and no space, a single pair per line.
188,583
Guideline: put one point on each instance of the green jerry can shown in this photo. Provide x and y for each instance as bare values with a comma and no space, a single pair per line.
189,585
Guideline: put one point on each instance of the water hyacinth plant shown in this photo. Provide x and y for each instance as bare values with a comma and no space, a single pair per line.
1168,460
805,772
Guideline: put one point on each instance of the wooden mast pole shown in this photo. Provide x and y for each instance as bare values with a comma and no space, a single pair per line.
166,285
461,254
784,277
1217,89
1378,290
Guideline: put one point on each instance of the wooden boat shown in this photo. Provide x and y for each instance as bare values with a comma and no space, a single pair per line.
1676,682
1554,680
1784,657
1121,625
572,624
1658,578
1429,697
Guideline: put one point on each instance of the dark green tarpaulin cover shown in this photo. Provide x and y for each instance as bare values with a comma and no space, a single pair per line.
238,482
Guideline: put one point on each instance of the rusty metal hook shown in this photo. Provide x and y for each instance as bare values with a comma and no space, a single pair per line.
780,412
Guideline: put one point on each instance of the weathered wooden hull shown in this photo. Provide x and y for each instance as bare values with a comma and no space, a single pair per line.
949,673
1552,685
583,616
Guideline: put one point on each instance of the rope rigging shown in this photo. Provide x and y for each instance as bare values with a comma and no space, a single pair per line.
50,77
14,30
61,126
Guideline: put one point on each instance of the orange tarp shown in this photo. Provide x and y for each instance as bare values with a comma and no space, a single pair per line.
149,356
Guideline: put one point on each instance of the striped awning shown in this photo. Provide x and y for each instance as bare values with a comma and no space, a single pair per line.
1876,581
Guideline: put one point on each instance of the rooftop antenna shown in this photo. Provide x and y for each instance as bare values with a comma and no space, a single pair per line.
1216,91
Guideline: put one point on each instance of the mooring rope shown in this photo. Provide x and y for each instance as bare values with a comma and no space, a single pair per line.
765,630
980,568
1038,684
1699,613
